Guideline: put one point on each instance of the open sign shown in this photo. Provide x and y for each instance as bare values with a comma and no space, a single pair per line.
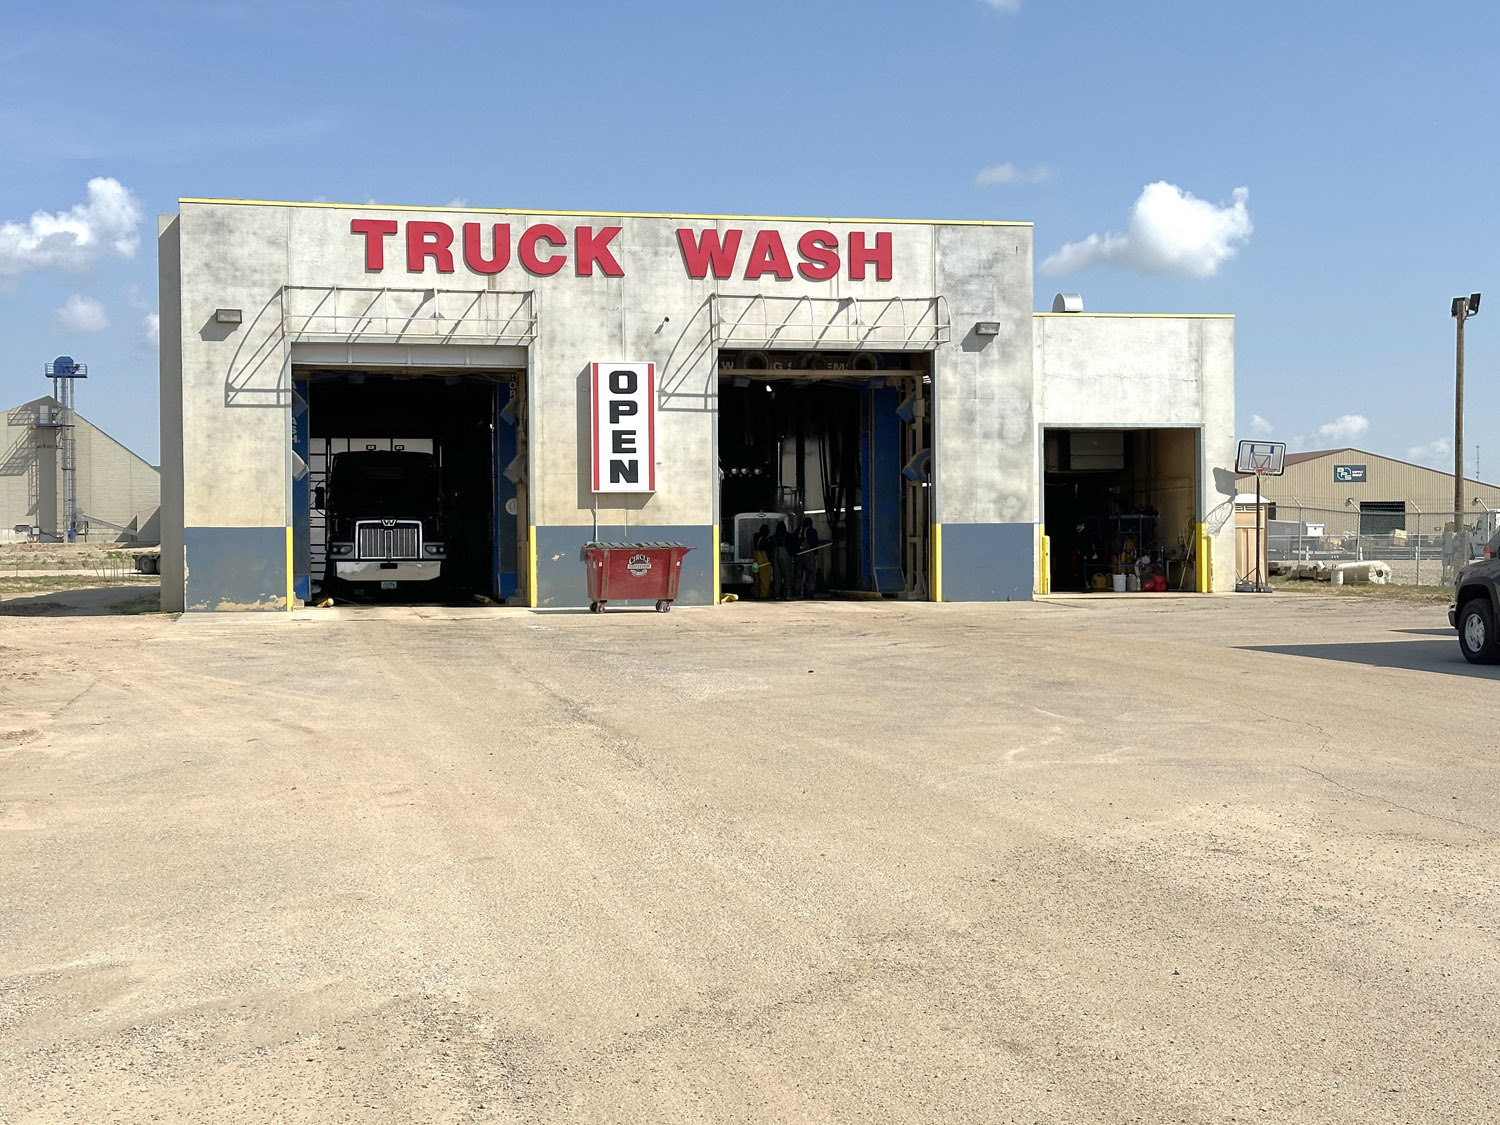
624,430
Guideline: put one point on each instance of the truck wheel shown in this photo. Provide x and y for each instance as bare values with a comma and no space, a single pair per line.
1476,632
663,606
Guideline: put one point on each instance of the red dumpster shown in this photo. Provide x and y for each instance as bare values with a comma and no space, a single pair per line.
643,571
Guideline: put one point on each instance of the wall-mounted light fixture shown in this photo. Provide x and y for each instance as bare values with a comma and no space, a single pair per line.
987,328
228,316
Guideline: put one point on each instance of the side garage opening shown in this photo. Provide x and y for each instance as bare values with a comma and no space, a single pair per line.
1120,503
842,440
409,493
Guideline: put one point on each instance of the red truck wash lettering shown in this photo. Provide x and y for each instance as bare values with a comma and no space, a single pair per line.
706,250
543,250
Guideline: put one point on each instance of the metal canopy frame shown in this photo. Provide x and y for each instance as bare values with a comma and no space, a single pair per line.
341,314
259,373
760,321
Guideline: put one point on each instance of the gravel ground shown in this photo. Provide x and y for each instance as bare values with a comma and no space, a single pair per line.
1085,860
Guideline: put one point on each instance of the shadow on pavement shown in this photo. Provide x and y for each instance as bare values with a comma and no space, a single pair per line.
106,601
1419,656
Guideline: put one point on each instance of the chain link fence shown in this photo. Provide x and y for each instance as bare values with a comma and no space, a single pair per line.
1401,543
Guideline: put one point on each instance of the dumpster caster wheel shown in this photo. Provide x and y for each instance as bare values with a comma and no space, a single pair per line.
663,606
596,607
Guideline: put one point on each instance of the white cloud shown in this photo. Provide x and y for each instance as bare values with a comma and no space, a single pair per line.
104,224
1171,231
1259,425
1004,5
1437,454
152,326
1010,174
81,314
1346,427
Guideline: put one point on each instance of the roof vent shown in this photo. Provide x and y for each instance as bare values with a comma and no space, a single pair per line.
1067,302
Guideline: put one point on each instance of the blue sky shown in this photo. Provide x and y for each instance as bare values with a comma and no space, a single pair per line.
1363,135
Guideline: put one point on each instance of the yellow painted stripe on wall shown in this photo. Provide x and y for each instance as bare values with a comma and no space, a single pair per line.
717,595
583,212
936,581
531,566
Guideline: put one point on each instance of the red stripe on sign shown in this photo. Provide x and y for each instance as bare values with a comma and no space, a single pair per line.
595,413
651,423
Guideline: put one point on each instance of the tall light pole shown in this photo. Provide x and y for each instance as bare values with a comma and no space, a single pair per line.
1463,308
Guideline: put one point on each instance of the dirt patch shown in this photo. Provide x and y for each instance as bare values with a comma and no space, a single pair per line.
1423,595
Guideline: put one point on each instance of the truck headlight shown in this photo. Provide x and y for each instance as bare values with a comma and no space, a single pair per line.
434,549
341,548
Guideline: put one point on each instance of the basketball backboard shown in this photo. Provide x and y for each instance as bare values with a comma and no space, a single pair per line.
1264,458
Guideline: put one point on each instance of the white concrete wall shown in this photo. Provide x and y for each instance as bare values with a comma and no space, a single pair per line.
169,360
1135,370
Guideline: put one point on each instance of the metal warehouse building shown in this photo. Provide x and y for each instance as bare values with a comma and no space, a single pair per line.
116,493
565,378
1353,492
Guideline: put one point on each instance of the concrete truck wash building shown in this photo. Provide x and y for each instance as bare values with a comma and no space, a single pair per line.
562,378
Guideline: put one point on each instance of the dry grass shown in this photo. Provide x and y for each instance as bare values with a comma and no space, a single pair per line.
1425,595
21,585
146,603
68,556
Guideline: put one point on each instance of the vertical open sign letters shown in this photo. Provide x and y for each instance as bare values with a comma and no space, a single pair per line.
624,430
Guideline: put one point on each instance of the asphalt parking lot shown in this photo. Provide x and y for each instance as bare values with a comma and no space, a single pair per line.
1114,860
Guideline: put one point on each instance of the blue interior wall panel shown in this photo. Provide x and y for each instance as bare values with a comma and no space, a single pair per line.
301,503
988,562
560,577
880,491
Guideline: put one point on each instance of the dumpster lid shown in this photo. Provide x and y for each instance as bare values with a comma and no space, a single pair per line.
639,546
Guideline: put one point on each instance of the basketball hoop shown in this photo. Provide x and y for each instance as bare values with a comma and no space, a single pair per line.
1262,459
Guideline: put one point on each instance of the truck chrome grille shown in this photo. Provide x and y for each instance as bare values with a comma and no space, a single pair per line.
376,541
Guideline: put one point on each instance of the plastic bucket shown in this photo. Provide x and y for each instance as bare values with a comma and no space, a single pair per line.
1119,582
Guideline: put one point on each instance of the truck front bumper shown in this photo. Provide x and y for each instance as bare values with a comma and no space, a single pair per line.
373,570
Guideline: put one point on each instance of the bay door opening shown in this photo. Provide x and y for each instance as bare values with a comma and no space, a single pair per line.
1120,507
835,440
408,488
